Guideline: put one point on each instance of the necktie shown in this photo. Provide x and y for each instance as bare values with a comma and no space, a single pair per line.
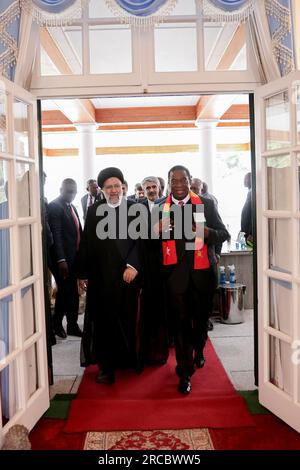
90,201
180,203
76,222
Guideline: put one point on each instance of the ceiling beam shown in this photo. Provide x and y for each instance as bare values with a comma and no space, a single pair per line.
142,150
145,114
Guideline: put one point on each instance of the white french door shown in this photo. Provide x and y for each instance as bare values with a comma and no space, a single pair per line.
278,241
24,395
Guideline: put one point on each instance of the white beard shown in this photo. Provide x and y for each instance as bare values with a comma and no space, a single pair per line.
115,204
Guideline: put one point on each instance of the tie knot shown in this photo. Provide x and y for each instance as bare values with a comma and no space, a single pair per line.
180,203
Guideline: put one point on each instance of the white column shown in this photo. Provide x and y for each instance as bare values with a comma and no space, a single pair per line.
87,151
207,151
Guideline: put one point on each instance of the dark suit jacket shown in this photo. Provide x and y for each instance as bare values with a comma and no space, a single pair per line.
64,231
84,203
246,218
217,235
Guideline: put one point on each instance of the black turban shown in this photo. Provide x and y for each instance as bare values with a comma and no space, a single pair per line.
110,172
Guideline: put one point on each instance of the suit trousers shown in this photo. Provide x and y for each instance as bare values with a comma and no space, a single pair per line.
190,294
67,300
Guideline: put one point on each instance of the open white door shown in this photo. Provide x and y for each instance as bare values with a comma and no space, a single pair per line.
24,394
278,246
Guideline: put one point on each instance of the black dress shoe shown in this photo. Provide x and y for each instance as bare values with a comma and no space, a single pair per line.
199,359
74,331
105,378
60,331
184,386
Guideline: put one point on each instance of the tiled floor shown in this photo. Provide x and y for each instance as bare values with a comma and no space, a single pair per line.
233,344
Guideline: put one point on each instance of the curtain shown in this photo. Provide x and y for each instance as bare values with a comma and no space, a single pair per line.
9,33
227,10
141,12
54,12
262,45
279,14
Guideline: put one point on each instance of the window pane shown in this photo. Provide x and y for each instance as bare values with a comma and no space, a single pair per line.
280,365
47,65
280,246
281,304
21,127
277,121
8,391
5,273
31,370
23,189
99,10
28,311
184,7
279,183
4,207
225,46
25,250
175,47
7,337
110,49
61,51
3,124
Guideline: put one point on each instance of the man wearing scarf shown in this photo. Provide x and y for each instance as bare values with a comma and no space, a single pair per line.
190,274
108,269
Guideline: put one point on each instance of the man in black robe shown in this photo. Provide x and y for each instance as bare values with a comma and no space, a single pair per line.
108,266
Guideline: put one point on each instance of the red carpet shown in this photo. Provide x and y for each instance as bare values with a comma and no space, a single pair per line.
151,400
270,433
48,435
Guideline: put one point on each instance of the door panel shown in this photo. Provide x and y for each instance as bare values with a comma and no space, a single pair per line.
278,239
24,394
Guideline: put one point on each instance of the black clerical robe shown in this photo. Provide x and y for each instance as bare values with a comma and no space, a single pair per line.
111,324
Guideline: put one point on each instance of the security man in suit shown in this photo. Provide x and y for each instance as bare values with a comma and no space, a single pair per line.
66,230
94,194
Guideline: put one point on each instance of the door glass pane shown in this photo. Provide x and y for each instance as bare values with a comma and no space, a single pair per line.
277,121
281,304
3,124
5,270
23,189
8,390
298,162
7,336
25,250
279,183
28,311
4,207
110,49
21,127
280,364
31,370
225,46
280,247
175,47
298,113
